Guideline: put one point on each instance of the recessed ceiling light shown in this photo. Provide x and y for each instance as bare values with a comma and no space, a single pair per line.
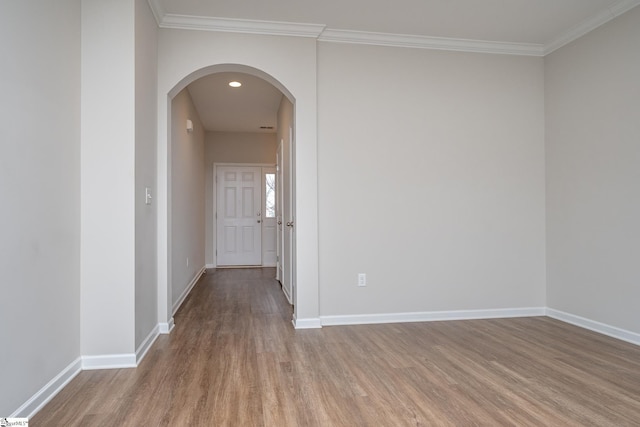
235,84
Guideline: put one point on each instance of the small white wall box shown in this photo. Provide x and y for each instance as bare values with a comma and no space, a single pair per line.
189,126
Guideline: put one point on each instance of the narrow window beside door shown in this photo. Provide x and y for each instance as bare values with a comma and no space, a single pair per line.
270,195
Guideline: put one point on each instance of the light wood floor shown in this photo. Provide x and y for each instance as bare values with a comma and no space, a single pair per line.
234,359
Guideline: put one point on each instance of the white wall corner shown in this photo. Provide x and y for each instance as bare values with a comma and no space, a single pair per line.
144,347
46,393
311,323
592,325
109,361
166,328
431,316
158,10
187,290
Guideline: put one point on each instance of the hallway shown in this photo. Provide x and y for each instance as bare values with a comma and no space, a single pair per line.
234,359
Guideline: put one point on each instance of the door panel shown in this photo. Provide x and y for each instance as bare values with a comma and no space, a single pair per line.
239,215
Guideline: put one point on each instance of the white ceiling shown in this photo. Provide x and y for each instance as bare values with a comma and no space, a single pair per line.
522,27
244,109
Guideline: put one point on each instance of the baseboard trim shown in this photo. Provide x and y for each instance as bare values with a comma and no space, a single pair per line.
166,328
48,392
109,361
185,293
144,347
310,323
430,316
210,266
592,325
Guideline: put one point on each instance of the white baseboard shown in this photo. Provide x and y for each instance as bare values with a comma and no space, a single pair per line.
430,316
144,347
109,361
188,289
210,266
46,393
592,325
311,323
166,328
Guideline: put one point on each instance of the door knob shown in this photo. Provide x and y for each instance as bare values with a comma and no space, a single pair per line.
290,224
279,222
258,221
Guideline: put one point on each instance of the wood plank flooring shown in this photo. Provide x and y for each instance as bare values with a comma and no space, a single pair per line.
234,359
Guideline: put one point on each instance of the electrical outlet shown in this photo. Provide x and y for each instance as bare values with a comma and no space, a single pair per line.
362,279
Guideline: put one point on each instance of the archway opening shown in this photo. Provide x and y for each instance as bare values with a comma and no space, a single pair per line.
189,187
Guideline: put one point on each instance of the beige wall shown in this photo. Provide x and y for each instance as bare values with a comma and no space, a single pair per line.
39,196
187,188
592,99
107,180
146,294
231,147
431,180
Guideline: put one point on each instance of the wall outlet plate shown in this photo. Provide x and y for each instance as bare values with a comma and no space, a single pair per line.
362,279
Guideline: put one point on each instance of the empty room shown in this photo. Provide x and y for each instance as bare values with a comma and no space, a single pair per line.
198,205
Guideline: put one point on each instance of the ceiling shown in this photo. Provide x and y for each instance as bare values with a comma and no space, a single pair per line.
244,109
521,27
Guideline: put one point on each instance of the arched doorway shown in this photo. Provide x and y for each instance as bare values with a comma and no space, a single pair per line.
165,297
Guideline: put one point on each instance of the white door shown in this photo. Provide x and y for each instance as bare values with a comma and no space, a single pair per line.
279,209
290,239
269,232
239,215
287,219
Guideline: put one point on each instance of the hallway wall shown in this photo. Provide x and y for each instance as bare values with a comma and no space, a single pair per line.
187,201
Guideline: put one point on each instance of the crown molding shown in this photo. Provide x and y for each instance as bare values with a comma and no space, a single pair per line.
321,33
590,24
425,42
271,28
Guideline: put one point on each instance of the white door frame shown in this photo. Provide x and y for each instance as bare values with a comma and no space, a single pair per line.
214,231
